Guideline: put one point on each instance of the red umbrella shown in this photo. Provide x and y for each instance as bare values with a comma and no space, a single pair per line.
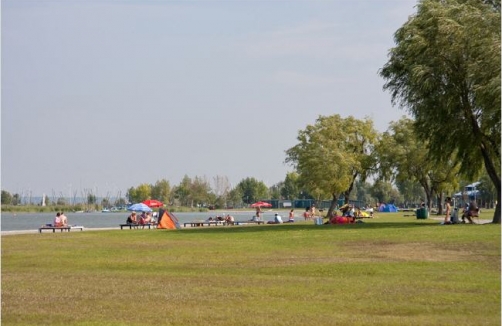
261,204
153,203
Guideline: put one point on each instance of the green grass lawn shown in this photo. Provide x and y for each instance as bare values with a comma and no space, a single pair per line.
390,270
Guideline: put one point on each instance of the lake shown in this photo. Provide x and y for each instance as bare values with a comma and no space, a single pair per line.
97,220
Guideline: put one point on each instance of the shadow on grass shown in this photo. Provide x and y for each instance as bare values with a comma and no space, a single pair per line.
324,227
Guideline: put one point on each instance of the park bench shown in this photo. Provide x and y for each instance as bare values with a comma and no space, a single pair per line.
202,223
136,226
62,228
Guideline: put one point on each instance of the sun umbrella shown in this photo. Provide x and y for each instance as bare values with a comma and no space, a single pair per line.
139,207
153,203
261,204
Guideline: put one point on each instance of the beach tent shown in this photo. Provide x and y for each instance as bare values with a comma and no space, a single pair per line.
168,221
387,208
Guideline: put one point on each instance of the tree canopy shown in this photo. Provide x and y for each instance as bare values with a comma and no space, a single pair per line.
332,154
445,70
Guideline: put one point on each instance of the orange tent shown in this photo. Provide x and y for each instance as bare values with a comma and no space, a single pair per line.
168,221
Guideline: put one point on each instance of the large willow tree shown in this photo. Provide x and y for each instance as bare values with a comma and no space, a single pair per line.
332,154
445,70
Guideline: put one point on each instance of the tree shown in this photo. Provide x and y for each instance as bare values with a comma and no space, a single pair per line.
200,191
291,186
161,191
6,198
403,157
412,191
140,193
252,190
363,193
221,188
332,154
182,192
385,192
445,70
275,190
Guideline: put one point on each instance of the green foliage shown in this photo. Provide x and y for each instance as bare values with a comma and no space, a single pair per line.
161,191
91,199
332,154
404,157
6,198
252,190
445,70
140,193
291,186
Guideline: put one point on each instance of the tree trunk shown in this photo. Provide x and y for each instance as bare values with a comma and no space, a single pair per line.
439,203
496,216
332,206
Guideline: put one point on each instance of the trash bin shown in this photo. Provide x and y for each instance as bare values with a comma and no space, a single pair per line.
422,213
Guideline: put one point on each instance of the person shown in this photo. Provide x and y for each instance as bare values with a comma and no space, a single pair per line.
57,220
291,218
229,220
306,214
145,219
277,219
64,219
313,212
470,211
447,214
258,213
131,219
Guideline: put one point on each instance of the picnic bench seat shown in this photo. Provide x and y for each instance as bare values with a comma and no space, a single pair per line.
248,222
62,228
202,223
136,226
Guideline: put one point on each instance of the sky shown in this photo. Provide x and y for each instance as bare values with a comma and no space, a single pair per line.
107,95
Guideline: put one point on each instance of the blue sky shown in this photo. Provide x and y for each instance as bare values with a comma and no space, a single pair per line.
106,95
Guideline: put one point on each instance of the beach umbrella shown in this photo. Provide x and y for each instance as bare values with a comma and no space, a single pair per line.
139,207
153,203
261,204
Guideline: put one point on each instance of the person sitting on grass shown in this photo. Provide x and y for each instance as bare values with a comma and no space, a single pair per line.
277,220
470,211
131,219
291,218
229,220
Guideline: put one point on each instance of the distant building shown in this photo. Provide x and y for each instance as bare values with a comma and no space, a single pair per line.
470,192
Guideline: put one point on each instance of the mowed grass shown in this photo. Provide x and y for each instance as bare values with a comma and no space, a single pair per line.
390,270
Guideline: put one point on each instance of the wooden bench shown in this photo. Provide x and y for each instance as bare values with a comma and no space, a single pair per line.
248,222
137,226
202,223
62,228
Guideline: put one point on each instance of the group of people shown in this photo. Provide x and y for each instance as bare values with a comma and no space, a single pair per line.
310,213
278,218
60,220
144,218
451,217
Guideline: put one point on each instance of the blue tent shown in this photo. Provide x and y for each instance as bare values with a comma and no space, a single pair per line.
387,208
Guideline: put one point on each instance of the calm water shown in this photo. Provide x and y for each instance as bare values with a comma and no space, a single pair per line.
32,221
